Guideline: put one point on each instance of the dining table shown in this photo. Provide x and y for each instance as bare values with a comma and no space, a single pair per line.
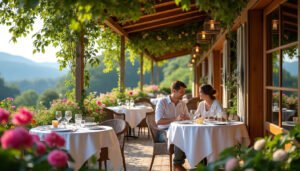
84,142
133,114
206,140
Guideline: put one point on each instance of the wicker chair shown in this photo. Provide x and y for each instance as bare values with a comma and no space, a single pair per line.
108,114
120,127
192,104
143,124
159,148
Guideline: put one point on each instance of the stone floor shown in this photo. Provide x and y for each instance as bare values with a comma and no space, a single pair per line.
138,154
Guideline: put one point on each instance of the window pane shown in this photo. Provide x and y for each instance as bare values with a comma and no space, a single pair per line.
290,67
289,109
289,22
273,69
273,29
273,106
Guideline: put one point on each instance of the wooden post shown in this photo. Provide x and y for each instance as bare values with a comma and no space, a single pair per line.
255,76
152,73
157,74
217,73
79,70
142,72
195,81
122,65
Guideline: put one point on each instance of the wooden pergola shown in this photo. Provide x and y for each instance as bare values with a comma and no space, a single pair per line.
167,14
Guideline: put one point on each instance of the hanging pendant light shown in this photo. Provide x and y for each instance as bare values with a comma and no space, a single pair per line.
194,55
196,48
203,35
275,24
212,24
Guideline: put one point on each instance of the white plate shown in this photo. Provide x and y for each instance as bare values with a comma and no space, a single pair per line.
61,129
97,128
89,124
185,122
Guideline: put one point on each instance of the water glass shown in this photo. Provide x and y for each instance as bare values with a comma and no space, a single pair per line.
127,103
58,115
78,118
131,103
68,116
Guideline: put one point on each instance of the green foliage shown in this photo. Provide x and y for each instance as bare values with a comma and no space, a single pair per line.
224,11
47,97
262,156
164,40
7,91
27,98
177,69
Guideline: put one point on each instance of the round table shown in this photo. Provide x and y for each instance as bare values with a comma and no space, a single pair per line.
133,115
84,143
206,140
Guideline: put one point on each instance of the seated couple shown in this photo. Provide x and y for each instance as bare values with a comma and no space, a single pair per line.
172,108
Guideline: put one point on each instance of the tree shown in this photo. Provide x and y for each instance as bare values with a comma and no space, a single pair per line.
47,97
27,98
7,91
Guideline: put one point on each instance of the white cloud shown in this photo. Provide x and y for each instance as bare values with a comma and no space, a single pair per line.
24,46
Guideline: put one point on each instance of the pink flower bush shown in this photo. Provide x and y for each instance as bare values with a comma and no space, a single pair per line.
99,103
54,140
35,138
40,148
17,138
4,115
23,117
57,158
10,99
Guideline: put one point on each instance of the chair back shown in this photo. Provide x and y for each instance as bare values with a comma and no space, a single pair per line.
108,114
192,104
144,101
113,115
119,127
150,119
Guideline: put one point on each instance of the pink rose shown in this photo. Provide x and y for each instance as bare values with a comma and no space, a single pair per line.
17,138
99,103
54,140
57,158
231,164
4,115
40,148
103,105
101,111
13,107
35,138
24,117
130,93
10,99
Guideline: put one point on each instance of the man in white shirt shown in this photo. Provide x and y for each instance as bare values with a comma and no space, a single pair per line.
170,109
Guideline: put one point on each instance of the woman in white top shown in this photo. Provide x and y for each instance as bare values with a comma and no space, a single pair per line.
209,107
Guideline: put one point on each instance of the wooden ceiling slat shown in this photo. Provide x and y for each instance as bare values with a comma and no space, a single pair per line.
173,55
167,24
290,23
116,27
289,14
160,19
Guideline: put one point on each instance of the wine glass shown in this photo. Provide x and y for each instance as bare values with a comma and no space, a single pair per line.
68,116
131,103
119,102
58,115
192,114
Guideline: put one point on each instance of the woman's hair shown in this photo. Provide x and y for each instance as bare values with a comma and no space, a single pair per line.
208,90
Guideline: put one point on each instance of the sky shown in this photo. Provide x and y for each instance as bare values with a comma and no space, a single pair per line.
24,46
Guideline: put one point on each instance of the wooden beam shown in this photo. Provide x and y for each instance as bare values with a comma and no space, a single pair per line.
167,24
122,65
116,27
146,52
142,72
160,19
174,54
79,70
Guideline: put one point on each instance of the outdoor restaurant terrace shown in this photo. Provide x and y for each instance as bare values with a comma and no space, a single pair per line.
247,50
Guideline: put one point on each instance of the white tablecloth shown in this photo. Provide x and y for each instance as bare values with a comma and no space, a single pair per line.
133,115
84,143
200,141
